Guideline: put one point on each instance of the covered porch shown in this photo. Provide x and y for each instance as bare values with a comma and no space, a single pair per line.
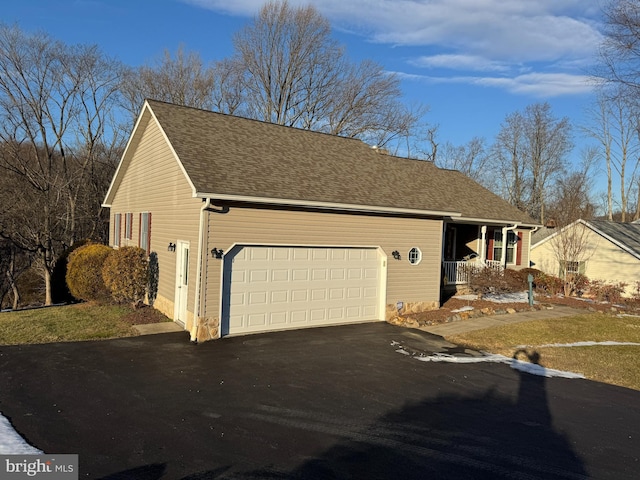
470,247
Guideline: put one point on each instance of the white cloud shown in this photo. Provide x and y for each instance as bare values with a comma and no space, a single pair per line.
506,30
460,62
542,85
539,47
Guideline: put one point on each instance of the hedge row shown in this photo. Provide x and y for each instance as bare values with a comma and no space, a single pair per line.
98,273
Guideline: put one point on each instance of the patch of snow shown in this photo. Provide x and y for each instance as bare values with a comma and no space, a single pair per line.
517,297
519,365
463,309
13,444
607,343
402,351
467,297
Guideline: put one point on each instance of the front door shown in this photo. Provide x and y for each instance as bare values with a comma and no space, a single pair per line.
182,282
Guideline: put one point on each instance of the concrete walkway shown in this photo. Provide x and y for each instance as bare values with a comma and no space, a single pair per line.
479,323
162,327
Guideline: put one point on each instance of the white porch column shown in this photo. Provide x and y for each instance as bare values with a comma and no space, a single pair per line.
503,256
483,243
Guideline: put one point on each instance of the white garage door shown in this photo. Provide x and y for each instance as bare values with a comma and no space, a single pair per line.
274,288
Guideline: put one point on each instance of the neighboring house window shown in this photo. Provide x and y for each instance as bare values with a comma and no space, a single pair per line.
415,255
571,268
144,240
117,222
512,242
128,225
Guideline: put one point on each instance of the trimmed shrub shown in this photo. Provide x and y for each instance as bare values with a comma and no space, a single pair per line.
548,284
84,272
606,292
126,274
489,280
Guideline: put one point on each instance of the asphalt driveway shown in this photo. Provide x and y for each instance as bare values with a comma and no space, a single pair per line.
336,402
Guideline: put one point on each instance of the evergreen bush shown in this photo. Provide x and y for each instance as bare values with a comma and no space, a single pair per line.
84,272
126,274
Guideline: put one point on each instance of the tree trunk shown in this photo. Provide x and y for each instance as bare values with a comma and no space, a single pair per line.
609,187
47,287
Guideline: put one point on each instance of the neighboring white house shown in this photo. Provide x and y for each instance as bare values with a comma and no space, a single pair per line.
602,250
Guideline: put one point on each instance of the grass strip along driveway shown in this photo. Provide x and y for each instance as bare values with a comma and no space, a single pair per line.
73,323
582,344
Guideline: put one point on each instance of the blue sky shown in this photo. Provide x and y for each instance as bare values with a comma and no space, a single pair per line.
471,61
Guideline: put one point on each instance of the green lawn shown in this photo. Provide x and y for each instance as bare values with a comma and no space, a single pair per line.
618,365
67,323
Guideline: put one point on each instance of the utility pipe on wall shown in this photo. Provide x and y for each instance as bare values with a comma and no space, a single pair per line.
202,240
503,257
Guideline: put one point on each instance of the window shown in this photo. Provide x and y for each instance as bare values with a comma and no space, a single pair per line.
512,242
128,225
117,222
415,255
571,267
144,240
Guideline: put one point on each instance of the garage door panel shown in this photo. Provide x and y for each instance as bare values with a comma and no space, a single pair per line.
299,296
298,316
300,274
280,296
280,275
278,318
290,287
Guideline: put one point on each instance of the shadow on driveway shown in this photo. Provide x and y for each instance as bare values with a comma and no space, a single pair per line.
335,402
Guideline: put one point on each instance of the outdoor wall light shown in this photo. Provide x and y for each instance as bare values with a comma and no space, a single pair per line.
215,253
396,254
171,247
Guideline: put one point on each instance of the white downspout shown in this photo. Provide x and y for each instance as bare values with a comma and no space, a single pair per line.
503,259
198,302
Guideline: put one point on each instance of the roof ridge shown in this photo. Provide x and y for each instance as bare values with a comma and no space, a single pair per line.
263,122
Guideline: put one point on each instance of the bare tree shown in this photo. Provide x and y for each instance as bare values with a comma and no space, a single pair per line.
228,96
295,74
620,50
572,247
571,199
614,125
183,80
54,104
530,154
470,158
509,162
548,143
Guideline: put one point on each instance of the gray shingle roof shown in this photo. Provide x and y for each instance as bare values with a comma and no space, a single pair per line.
228,155
625,234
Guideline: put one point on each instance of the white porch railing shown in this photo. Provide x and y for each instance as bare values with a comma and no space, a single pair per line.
459,272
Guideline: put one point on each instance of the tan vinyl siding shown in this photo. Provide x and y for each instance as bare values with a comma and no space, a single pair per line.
405,282
524,249
604,261
155,183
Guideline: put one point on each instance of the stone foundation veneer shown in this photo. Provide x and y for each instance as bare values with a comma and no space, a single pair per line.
409,307
164,306
208,329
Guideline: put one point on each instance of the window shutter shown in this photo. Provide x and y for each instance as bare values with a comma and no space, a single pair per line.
561,268
116,229
519,249
490,248
148,233
139,229
582,267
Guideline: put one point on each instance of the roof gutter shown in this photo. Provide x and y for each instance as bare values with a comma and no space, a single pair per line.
490,221
328,205
200,268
